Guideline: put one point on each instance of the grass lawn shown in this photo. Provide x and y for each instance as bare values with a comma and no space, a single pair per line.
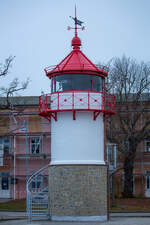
13,205
131,205
121,205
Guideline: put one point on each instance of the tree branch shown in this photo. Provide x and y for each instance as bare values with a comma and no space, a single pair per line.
4,68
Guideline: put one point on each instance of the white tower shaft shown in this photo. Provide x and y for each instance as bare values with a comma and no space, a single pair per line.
79,141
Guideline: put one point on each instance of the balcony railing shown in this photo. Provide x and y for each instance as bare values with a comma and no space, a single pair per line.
58,68
77,101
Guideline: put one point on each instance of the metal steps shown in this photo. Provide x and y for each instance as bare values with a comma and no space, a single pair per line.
40,205
38,199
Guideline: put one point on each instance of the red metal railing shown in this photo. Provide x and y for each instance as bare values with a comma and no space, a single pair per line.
102,68
77,100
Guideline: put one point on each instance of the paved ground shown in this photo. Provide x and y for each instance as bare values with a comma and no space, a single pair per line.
113,221
19,218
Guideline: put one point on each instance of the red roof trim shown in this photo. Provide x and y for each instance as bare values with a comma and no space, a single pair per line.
100,74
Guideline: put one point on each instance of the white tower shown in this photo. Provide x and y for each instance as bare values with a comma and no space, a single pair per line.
76,107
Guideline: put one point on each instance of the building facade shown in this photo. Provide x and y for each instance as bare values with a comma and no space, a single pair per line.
24,145
141,168
25,148
141,173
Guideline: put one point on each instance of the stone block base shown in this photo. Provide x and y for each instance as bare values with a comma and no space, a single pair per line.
78,192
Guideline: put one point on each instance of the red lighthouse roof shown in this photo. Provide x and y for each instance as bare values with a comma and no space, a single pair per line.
76,61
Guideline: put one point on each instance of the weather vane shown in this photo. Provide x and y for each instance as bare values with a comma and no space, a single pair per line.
77,22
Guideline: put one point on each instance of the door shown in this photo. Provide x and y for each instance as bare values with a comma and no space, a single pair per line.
4,187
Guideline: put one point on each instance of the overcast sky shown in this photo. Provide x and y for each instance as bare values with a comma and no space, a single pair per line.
35,31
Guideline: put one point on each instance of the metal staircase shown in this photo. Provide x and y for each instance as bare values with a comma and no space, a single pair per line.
37,196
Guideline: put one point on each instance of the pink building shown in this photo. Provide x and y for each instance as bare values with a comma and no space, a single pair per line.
24,146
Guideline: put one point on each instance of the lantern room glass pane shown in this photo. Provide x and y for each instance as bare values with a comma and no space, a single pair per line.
81,82
62,83
97,84
52,84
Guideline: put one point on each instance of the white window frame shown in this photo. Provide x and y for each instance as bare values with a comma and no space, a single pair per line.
111,150
35,147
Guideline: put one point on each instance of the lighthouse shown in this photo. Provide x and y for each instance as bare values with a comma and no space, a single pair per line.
76,107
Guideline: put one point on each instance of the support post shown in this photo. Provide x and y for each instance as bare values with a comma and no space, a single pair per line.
14,167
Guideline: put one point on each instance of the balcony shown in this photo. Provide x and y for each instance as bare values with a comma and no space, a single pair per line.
76,101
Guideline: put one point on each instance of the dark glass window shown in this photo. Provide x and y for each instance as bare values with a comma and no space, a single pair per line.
4,144
37,182
61,83
148,179
35,145
52,86
147,145
97,84
83,82
5,183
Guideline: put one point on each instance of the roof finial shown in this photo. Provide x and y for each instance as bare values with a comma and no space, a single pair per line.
77,22
76,42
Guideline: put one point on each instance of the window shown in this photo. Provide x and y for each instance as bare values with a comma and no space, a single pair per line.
61,83
5,144
4,148
1,158
147,182
97,84
111,155
37,182
147,145
5,183
35,145
148,179
83,82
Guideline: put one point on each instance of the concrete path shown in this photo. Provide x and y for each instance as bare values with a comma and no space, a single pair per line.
19,218
4,215
113,221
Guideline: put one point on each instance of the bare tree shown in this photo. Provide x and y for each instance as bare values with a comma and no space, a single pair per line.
14,86
130,82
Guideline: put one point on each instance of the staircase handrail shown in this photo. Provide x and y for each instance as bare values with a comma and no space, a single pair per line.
30,194
35,174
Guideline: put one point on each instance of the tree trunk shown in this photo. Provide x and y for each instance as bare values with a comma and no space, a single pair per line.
128,170
128,178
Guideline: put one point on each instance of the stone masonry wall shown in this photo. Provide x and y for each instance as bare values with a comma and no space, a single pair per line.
78,190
